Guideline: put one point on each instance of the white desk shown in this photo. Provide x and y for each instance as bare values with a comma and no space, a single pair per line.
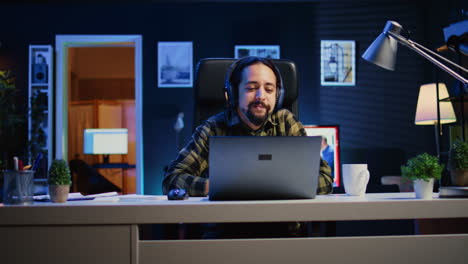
107,232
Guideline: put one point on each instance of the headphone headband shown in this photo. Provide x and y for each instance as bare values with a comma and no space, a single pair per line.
232,95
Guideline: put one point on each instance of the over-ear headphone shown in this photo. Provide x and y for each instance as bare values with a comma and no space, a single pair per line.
232,93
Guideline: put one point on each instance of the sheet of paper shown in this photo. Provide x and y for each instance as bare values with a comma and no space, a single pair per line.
145,197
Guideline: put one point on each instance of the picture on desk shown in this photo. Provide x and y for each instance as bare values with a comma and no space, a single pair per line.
330,150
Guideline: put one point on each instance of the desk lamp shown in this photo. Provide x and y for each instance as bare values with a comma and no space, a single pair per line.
382,51
427,108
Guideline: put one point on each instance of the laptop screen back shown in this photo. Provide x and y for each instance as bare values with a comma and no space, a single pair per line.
259,168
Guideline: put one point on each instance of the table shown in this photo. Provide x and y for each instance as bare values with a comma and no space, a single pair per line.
108,232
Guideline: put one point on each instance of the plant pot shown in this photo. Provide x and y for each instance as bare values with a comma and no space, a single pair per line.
459,177
59,193
423,189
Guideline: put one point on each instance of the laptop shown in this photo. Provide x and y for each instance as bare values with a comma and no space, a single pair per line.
263,168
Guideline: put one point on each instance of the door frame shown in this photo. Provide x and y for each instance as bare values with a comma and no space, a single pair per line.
62,43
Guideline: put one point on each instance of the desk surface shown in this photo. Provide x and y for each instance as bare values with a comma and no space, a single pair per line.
157,209
43,227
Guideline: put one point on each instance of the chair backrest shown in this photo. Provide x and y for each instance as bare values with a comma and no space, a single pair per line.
209,86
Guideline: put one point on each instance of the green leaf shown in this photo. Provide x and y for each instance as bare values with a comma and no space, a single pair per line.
59,173
458,155
423,166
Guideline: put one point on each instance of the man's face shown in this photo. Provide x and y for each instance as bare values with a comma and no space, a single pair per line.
257,94
324,144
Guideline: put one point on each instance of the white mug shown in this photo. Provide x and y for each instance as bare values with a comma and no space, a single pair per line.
355,179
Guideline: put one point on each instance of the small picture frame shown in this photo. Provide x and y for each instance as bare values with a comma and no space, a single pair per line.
175,64
337,63
330,147
265,51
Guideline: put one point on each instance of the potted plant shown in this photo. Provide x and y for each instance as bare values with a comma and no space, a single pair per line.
422,170
59,181
458,163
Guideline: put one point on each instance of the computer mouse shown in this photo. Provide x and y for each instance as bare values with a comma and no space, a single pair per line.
177,194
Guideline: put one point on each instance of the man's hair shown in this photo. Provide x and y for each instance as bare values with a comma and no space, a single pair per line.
235,75
324,138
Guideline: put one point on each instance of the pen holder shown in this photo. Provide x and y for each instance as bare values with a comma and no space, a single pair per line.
18,187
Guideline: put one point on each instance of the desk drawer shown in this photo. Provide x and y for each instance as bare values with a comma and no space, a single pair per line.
363,250
65,244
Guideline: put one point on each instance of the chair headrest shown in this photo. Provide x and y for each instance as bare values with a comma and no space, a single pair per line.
211,73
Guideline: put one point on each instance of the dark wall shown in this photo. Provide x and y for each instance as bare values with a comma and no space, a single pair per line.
377,113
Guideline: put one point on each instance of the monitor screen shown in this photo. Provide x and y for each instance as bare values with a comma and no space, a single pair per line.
330,147
105,141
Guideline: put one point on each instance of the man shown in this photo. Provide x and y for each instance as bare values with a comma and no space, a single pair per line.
253,88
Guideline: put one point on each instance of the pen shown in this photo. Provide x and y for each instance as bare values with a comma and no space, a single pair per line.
20,165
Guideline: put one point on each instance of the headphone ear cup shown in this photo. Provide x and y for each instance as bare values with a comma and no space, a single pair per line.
230,98
227,93
280,95
228,86
279,99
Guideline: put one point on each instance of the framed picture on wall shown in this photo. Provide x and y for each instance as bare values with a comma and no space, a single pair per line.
175,64
266,51
337,63
330,147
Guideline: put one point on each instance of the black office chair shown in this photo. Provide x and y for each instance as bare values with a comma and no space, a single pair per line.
209,86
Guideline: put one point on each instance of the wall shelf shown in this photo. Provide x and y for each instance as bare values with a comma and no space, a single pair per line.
40,90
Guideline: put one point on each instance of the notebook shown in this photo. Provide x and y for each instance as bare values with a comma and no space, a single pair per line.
263,168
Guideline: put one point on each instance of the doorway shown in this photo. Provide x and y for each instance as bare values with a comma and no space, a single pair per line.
68,50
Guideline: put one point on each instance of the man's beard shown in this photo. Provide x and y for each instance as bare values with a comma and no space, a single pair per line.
257,120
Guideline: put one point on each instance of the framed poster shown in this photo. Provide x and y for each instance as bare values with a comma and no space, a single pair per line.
337,63
330,147
175,64
266,51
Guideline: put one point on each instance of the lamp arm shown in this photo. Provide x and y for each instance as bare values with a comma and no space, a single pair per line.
440,57
410,44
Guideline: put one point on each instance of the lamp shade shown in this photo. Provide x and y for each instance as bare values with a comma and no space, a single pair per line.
426,110
383,50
